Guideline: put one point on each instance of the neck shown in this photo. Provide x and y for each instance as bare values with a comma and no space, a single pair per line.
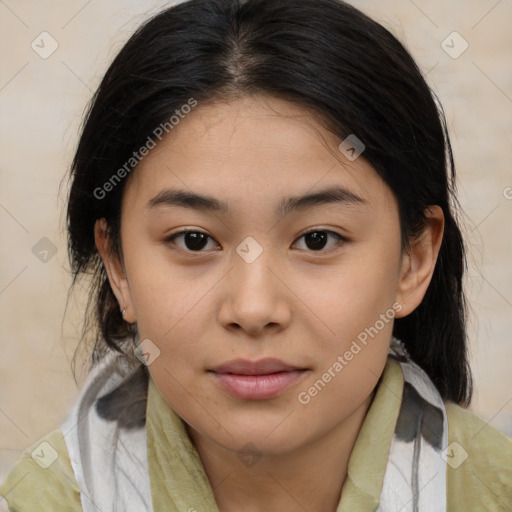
310,477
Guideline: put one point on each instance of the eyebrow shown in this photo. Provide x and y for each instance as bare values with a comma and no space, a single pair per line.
185,199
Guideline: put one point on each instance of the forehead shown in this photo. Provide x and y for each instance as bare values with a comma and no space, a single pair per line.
257,145
253,129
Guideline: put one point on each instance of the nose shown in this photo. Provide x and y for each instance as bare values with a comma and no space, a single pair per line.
254,297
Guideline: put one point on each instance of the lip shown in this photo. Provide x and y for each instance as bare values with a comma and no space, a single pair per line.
257,380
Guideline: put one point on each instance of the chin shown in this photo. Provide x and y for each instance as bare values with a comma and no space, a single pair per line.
270,439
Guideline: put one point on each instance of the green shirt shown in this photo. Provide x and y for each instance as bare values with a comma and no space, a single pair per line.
483,481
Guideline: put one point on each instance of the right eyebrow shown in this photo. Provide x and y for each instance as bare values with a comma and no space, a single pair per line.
186,199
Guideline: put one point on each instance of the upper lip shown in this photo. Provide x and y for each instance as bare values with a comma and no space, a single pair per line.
260,367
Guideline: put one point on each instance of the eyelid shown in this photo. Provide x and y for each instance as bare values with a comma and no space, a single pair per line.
320,228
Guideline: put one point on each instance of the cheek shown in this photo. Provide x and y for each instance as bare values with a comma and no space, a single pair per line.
352,297
164,294
346,372
355,306
189,397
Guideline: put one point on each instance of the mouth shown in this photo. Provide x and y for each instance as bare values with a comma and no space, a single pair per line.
257,380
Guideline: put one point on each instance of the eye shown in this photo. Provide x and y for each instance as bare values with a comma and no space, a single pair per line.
316,239
194,241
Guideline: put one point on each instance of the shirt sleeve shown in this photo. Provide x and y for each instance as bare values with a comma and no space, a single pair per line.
479,463
43,479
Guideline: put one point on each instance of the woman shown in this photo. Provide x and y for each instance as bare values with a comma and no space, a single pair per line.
263,193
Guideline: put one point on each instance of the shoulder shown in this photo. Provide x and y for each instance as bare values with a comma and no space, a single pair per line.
479,463
42,479
49,474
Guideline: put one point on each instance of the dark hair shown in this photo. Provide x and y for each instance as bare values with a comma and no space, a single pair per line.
324,55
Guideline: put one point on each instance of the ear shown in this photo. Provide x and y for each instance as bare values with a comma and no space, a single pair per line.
419,262
115,270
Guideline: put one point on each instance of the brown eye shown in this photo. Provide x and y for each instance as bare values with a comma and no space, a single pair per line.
194,241
317,239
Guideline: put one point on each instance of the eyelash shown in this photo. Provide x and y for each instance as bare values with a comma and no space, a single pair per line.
341,239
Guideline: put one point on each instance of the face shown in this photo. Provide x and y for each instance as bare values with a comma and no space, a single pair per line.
254,272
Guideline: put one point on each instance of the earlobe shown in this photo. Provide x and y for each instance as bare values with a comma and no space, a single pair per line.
419,263
115,271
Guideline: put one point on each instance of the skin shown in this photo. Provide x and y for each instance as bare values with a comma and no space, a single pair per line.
295,303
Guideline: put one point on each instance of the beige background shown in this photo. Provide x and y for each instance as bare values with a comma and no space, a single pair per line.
41,104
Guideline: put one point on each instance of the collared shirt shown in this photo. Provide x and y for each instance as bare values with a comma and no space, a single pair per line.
479,469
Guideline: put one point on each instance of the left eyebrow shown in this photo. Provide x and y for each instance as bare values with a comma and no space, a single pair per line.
185,199
339,195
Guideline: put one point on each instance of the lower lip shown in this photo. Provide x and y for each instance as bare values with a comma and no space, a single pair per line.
257,387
